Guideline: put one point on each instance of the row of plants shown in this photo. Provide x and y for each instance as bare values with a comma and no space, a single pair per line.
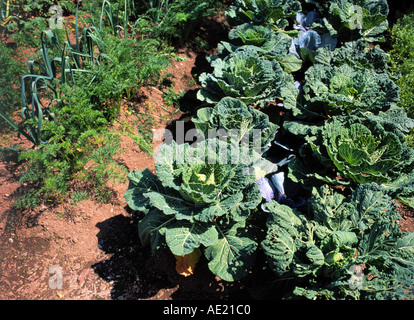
9,95
74,88
300,157
69,98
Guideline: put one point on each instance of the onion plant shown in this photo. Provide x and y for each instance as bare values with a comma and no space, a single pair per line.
61,63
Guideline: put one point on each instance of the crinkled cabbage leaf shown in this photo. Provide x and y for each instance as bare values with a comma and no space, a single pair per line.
353,19
265,41
263,12
247,76
342,235
198,199
242,123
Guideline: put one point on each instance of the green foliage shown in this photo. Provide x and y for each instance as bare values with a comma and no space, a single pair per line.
349,80
171,97
247,76
354,19
263,40
198,199
364,150
274,13
29,18
344,233
29,199
232,114
10,72
356,53
130,64
71,95
342,144
175,20
79,196
353,149
103,169
60,64
79,148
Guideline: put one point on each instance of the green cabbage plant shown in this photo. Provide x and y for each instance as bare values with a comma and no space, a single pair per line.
247,76
354,19
238,121
198,199
358,54
355,149
263,12
265,41
347,80
347,248
363,150
340,84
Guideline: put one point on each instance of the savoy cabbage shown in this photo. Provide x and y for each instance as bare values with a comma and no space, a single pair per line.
342,234
274,13
198,199
345,88
328,221
348,80
247,76
354,150
266,42
353,19
237,121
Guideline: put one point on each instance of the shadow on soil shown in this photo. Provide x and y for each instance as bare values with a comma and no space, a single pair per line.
136,273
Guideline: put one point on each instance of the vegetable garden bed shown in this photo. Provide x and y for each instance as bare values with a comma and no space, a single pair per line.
287,173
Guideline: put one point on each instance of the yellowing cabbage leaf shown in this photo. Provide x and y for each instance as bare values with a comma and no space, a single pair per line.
185,264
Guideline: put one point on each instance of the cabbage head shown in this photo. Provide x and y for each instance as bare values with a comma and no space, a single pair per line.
239,121
322,248
267,43
362,149
247,76
198,200
349,80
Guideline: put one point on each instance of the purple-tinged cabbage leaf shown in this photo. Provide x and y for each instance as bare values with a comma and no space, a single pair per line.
308,41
